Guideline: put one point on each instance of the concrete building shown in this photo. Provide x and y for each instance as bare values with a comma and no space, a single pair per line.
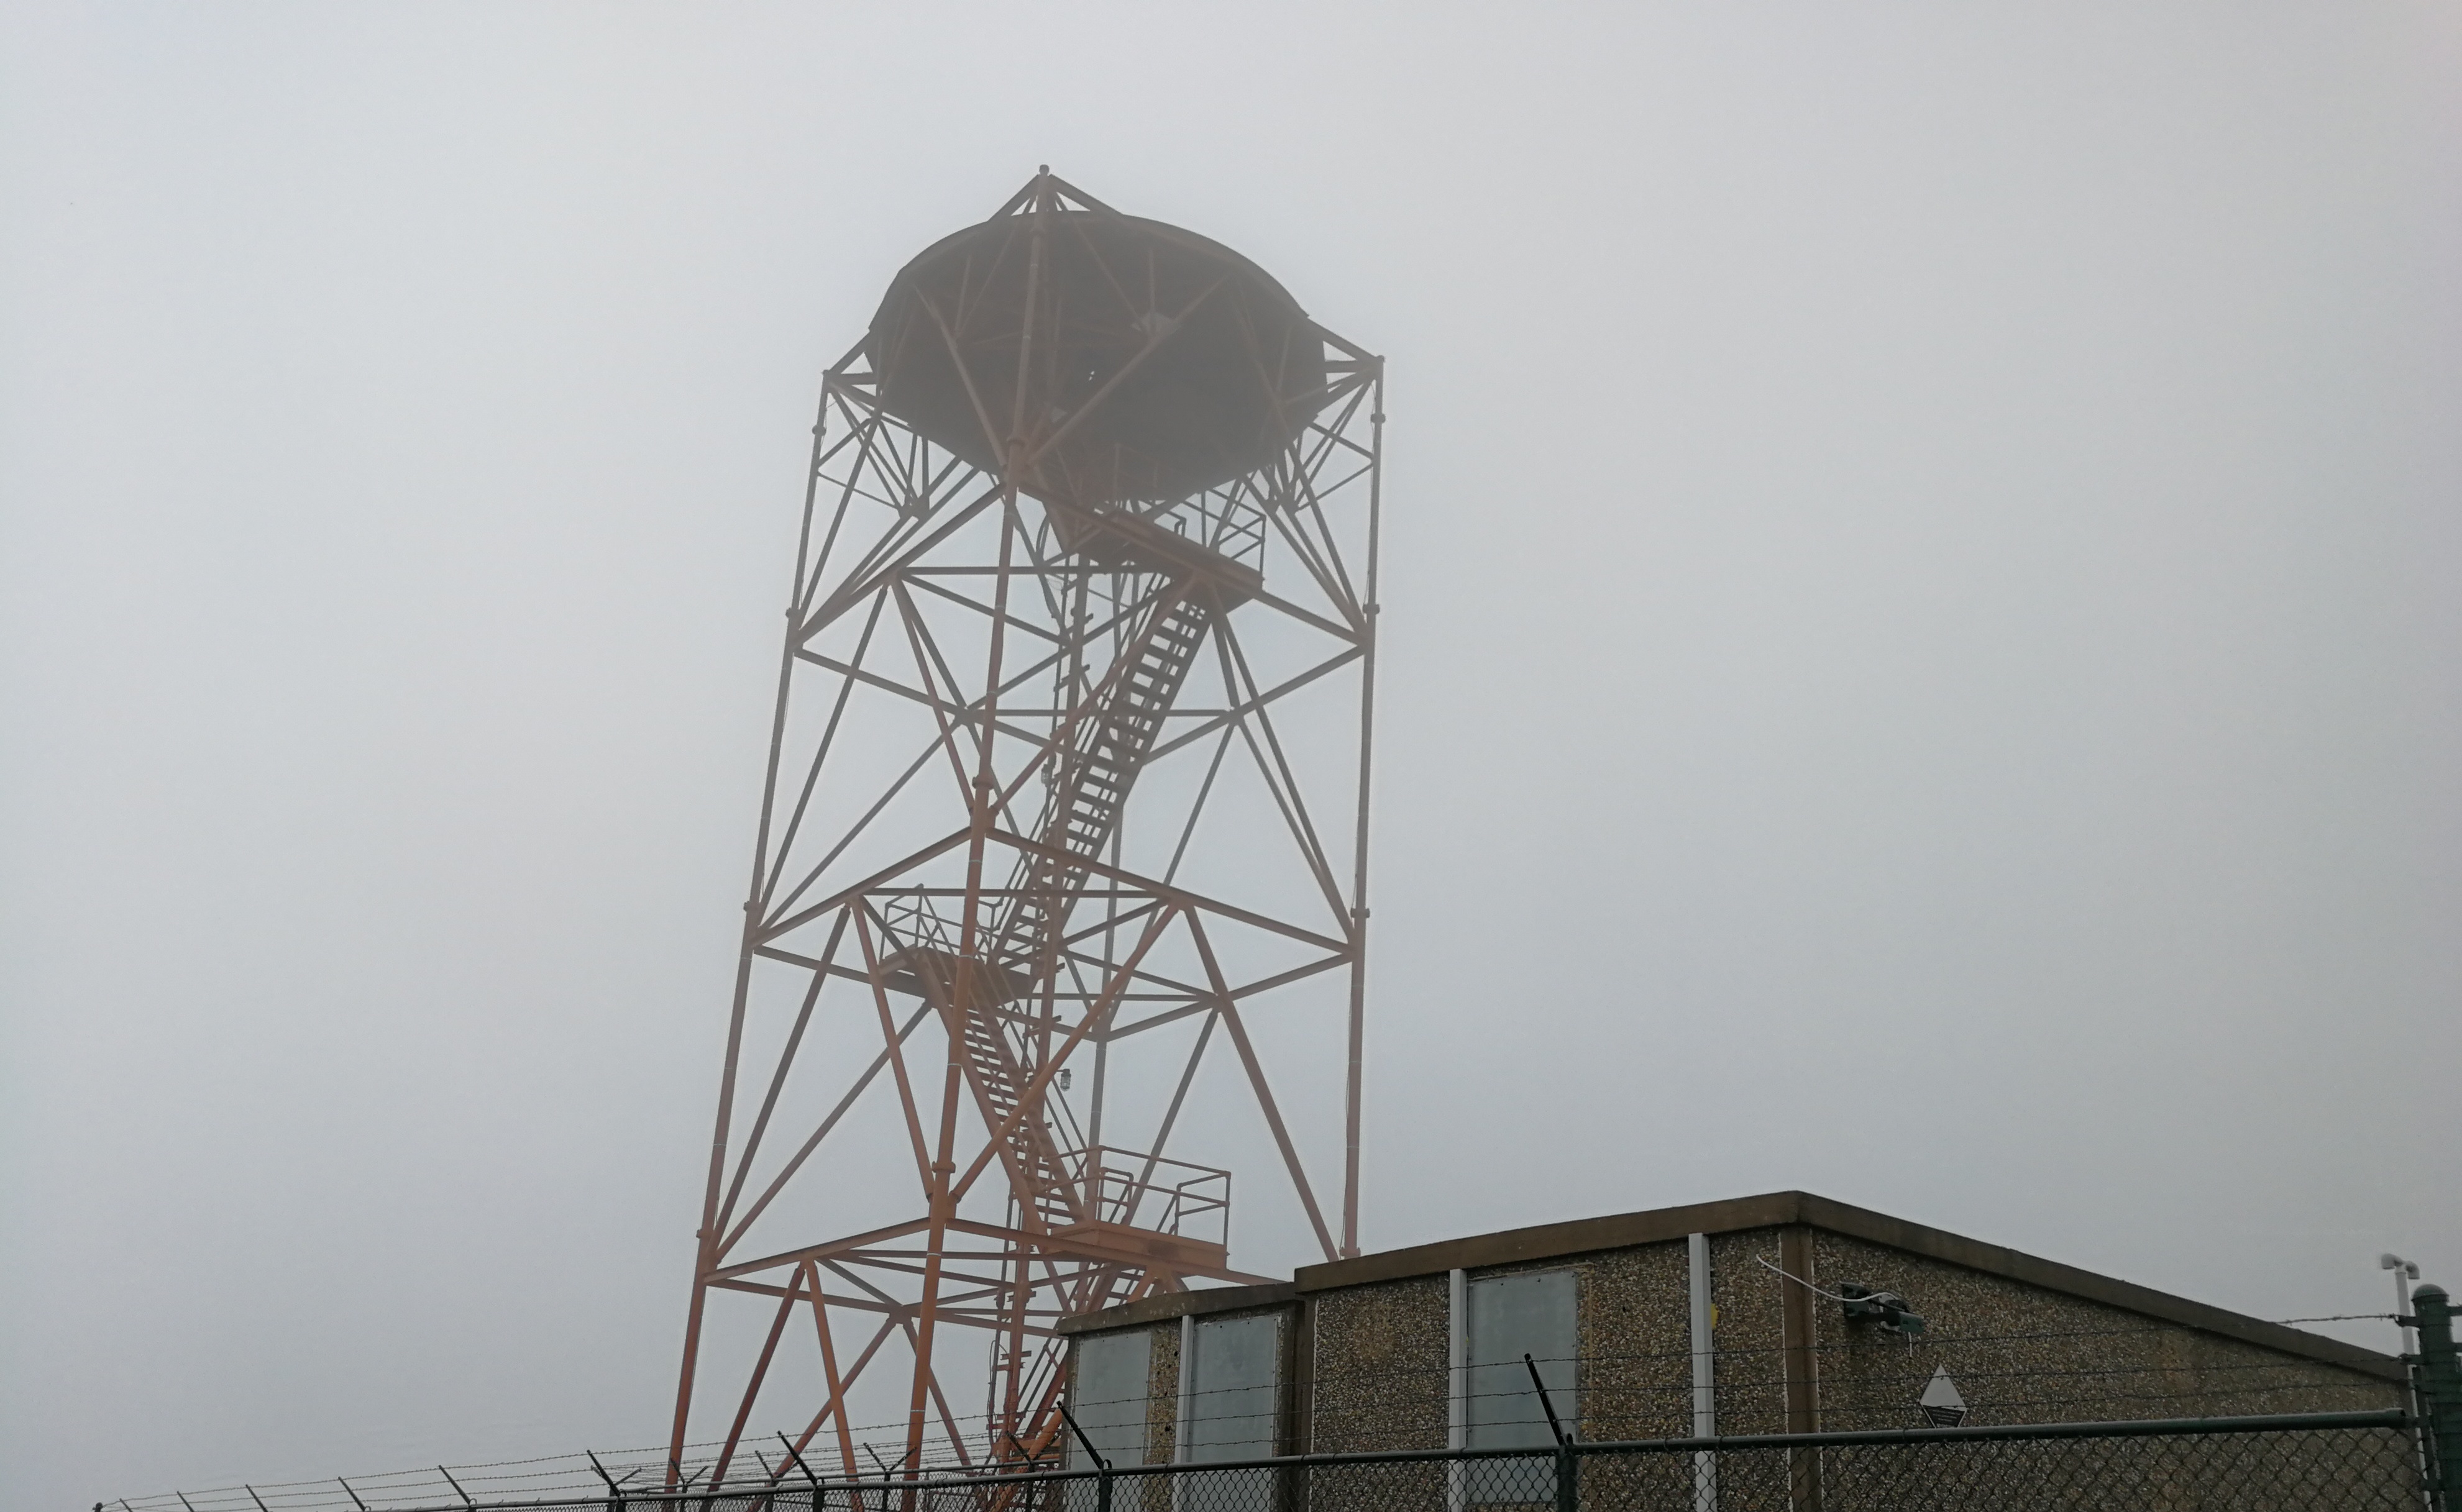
1762,1314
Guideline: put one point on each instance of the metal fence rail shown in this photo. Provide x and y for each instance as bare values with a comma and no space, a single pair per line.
1634,1393
2300,1463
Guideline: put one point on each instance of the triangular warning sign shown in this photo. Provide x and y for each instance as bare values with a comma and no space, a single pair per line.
1941,1403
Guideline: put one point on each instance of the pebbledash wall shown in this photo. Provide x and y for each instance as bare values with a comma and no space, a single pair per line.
1366,1355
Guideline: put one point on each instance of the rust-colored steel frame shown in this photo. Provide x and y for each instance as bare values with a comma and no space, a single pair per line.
927,589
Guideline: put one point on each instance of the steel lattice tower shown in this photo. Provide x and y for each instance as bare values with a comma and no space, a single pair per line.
1068,779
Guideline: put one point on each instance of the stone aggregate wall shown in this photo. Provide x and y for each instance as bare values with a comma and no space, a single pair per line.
1162,1394
2022,1354
1379,1379
1636,1371
1747,1332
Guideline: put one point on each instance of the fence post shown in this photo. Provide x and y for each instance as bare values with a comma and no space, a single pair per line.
854,1498
1102,1466
2440,1393
1568,1469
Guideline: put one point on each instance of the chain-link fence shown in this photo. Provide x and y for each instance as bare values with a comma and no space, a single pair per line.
2315,1458
2304,1462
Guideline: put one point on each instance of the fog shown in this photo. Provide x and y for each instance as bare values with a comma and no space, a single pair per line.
1920,655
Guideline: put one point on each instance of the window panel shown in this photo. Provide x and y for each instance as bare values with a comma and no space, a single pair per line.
1114,1372
1510,1316
1232,1397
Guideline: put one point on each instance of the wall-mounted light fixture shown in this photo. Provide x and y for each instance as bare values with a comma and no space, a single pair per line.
1863,1304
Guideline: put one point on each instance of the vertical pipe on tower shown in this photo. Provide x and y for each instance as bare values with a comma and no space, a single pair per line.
1359,845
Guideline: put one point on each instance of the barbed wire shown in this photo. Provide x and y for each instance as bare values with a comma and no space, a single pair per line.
1728,1354
940,1450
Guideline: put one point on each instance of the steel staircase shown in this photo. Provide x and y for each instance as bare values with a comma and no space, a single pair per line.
1038,1174
1094,775
1092,782
1092,785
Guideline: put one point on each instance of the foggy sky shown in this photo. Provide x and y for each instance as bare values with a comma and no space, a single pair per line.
1920,637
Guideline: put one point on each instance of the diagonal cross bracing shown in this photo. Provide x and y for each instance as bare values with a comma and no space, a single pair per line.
1053,901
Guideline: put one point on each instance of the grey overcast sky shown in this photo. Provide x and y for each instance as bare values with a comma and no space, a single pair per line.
1921,635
